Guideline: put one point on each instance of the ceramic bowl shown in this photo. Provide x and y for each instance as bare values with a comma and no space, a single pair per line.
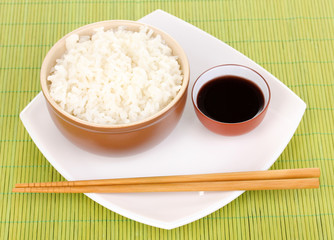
237,128
124,138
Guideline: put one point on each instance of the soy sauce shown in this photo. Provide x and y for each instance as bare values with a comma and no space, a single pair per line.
230,99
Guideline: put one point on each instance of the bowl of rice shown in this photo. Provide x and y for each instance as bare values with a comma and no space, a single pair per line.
115,87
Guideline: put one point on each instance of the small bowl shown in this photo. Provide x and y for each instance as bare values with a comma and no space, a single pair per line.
237,128
120,139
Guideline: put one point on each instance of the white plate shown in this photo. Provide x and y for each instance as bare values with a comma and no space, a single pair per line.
190,149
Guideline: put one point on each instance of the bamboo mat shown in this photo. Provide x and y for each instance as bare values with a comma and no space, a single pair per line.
294,40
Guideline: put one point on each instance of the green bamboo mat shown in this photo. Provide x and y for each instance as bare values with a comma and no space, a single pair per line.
293,39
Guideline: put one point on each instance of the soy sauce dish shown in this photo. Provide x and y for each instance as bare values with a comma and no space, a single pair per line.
231,99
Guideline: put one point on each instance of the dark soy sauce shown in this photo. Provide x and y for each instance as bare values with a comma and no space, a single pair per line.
230,99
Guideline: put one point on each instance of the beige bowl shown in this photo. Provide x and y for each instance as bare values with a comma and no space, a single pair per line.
116,139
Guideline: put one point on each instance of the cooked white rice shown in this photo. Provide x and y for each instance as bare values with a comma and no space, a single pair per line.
115,76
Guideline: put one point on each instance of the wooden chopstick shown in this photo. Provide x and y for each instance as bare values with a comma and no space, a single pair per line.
215,177
182,187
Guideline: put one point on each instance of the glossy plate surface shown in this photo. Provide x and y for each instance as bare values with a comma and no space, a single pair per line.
190,149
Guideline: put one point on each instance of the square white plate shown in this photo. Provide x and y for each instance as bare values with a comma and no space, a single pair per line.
190,149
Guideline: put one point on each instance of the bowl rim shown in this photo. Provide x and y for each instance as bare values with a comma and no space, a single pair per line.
129,126
225,124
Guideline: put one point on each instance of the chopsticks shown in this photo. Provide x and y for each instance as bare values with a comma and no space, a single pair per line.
255,180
